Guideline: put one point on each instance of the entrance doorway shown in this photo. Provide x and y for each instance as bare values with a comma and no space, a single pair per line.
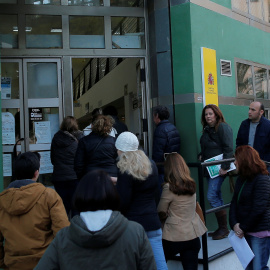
31,110
117,82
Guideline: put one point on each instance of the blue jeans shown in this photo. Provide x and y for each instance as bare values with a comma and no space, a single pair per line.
214,191
261,249
155,239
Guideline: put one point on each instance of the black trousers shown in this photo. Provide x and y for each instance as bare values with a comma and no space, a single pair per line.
188,250
66,189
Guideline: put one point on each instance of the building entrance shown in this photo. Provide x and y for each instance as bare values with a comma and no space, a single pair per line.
31,109
117,82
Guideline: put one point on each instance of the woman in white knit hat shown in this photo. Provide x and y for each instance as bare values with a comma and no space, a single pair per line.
137,185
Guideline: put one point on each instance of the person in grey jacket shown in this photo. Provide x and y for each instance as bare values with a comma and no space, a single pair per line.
217,138
100,237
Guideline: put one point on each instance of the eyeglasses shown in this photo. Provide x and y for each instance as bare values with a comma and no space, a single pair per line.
166,154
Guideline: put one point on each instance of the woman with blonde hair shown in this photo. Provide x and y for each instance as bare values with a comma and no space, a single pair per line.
177,210
97,150
137,185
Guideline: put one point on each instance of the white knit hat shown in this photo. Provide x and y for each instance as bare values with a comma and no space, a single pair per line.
127,141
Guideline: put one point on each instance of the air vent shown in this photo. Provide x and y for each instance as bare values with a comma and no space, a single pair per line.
225,68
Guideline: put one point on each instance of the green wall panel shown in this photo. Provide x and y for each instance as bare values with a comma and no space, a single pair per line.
230,39
182,49
225,3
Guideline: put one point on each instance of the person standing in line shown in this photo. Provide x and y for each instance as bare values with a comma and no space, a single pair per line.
95,113
30,216
118,125
166,139
250,206
97,150
255,131
217,138
177,210
137,185
63,149
100,237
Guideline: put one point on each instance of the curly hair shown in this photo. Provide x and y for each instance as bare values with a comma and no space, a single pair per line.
103,125
219,116
249,163
177,174
135,163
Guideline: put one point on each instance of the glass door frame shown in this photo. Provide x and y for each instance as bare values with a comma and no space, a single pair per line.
42,102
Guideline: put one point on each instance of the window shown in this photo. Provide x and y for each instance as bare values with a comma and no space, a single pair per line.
257,8
252,80
8,31
86,32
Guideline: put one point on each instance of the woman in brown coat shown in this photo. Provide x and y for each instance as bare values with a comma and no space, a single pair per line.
177,209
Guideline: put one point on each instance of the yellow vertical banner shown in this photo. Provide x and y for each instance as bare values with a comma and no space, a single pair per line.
209,76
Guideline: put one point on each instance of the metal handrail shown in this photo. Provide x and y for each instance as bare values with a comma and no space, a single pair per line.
205,260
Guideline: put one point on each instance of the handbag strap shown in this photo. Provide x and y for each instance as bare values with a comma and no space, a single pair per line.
238,197
97,145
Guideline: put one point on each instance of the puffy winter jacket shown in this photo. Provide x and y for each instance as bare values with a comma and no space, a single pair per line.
252,208
166,140
104,157
121,244
63,149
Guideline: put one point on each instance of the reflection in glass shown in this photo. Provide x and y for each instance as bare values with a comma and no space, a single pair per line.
260,77
10,80
89,3
8,32
42,131
42,81
244,79
127,3
128,32
43,2
86,32
43,31
255,8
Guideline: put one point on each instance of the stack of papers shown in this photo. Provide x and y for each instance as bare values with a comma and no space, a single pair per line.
214,170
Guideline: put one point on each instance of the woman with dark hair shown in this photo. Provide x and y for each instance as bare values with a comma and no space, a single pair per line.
100,237
97,150
217,138
250,206
177,210
63,149
137,184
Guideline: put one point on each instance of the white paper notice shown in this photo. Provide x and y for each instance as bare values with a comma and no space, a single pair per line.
242,249
43,132
214,170
6,88
45,163
8,128
7,165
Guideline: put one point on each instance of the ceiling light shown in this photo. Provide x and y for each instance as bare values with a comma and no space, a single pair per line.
28,29
15,28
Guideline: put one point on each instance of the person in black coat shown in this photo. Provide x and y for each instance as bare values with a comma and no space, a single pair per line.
137,185
63,149
97,150
250,206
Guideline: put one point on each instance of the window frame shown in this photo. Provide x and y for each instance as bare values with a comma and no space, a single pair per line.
252,64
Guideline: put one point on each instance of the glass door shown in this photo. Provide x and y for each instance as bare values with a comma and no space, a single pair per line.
31,110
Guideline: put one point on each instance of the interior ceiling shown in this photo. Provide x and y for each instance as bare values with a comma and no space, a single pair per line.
78,64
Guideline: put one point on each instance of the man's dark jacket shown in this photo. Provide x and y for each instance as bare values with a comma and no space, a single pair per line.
166,140
261,139
252,209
